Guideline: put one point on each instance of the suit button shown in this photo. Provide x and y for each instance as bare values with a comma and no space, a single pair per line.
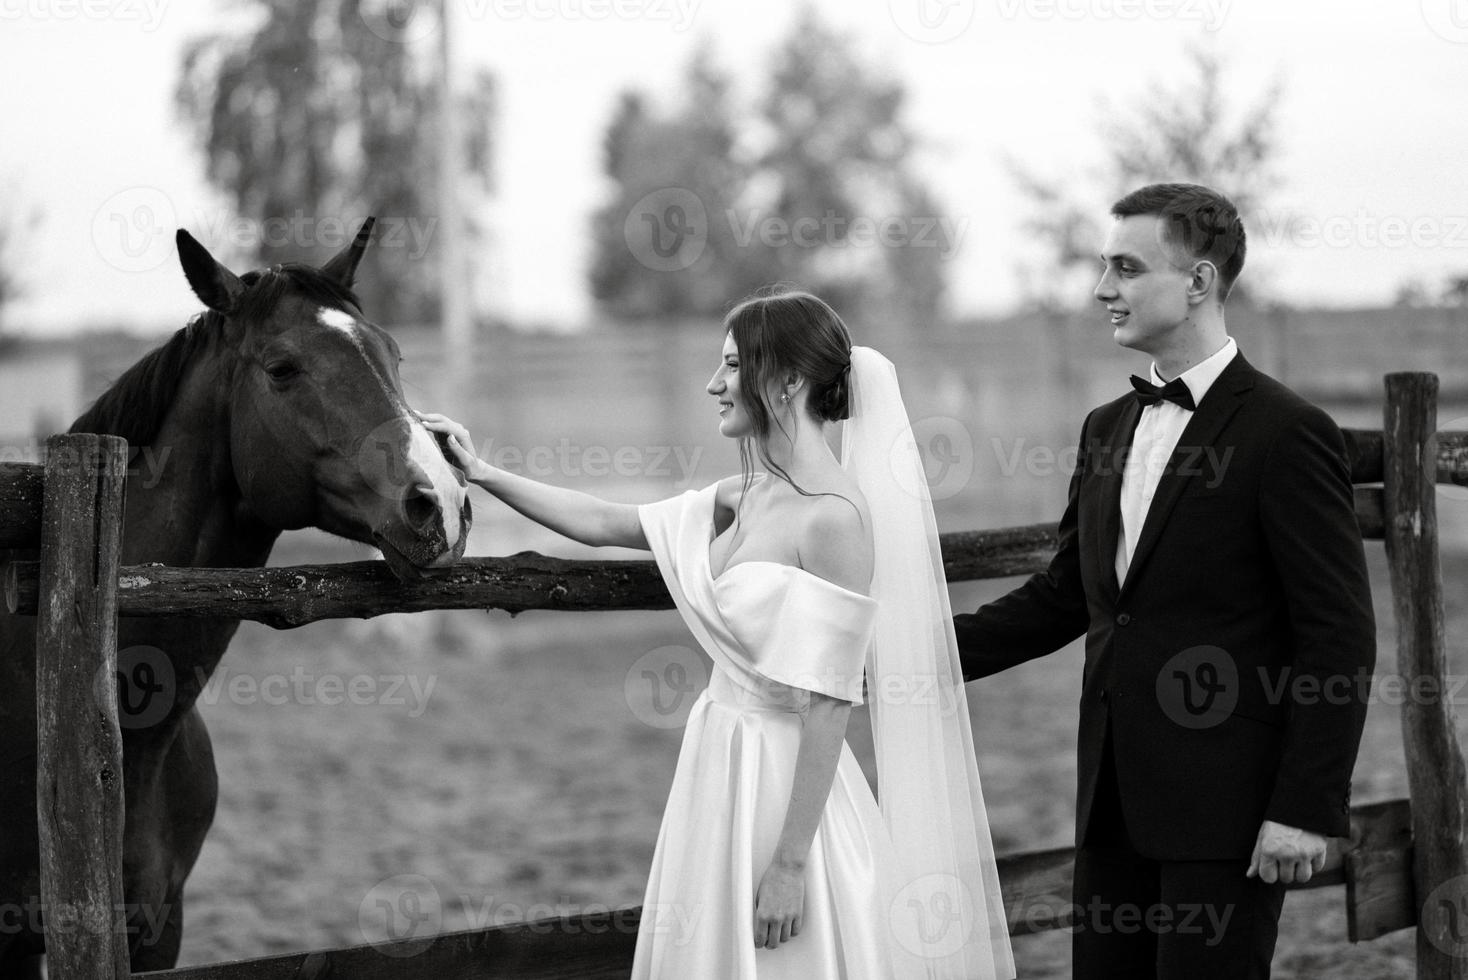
1101,695
1123,618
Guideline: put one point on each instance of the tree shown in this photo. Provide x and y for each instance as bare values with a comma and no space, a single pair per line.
662,247
814,188
321,113
14,225
1183,132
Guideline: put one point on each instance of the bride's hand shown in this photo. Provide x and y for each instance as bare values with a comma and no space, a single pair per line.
458,441
779,905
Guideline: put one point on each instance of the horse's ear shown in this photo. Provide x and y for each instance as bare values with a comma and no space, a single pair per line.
211,282
342,266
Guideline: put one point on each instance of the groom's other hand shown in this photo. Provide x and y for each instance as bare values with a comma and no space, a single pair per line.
1286,854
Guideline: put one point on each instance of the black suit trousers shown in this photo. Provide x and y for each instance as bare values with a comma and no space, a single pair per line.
1173,920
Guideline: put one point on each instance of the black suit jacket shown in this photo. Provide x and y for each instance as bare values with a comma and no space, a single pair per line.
1233,664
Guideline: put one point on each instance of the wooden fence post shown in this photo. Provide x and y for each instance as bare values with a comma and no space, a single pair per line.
79,766
1436,774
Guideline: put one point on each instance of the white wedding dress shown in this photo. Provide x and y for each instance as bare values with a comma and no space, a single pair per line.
774,632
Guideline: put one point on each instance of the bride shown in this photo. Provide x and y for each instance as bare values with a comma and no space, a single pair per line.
812,585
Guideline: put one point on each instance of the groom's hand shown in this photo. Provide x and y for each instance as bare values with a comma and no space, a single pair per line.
1286,854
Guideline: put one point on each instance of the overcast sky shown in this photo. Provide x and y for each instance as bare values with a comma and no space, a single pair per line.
1372,124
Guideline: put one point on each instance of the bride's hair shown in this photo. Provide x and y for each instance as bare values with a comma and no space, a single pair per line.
783,334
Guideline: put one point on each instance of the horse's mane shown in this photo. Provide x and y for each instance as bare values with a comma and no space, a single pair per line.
136,404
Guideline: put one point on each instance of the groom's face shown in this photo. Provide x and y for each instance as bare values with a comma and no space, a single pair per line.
1144,284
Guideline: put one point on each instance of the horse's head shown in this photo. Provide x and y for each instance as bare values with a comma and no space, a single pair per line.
319,431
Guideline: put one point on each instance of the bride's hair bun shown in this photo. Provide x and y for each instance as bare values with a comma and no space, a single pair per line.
832,401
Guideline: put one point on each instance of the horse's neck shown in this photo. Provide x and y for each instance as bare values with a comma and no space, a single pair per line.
183,509
183,501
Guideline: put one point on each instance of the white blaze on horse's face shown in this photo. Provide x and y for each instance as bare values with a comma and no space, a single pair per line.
444,487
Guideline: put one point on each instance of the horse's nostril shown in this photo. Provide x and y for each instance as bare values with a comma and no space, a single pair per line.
420,508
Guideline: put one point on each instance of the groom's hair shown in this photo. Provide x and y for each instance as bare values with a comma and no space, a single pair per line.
1196,219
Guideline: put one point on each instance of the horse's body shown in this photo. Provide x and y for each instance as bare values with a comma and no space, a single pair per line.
280,408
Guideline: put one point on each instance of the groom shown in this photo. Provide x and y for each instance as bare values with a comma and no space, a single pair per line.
1210,554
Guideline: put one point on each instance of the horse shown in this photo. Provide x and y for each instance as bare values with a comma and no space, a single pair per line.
278,407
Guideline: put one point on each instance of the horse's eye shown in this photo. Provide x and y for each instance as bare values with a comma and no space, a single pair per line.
282,371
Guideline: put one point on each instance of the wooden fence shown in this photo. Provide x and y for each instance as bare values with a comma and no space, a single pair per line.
1405,864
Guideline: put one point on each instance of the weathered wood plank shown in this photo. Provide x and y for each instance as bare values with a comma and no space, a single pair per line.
294,595
1364,452
20,504
579,947
79,743
1379,892
290,596
1436,775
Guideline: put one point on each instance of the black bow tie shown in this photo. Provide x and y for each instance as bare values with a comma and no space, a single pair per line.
1174,391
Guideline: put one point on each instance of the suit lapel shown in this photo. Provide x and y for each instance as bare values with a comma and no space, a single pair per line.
1219,405
1116,447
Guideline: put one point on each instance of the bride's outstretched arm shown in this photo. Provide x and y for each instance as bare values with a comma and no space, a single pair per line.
580,516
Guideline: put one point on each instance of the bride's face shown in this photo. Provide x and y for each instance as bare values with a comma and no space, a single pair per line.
734,420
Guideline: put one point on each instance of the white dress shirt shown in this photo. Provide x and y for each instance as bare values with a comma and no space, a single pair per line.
1158,431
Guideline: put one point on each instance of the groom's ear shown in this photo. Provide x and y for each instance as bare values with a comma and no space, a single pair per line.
1203,282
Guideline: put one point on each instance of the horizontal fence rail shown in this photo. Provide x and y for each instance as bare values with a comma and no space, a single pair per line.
294,595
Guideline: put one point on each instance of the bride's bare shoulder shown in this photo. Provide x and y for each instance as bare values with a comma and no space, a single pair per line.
835,538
